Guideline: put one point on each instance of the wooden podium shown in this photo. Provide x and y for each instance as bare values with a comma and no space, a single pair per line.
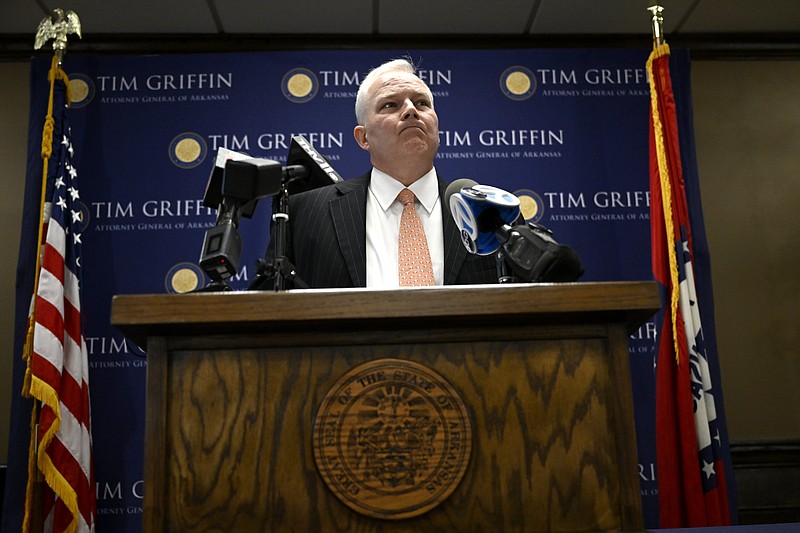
235,381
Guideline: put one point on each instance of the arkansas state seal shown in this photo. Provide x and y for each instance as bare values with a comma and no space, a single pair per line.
392,439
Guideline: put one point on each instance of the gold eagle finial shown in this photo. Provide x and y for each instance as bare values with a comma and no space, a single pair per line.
57,27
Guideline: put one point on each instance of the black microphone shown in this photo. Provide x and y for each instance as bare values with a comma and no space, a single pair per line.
490,219
306,168
234,191
241,180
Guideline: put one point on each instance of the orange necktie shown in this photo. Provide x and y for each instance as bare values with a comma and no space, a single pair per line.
414,266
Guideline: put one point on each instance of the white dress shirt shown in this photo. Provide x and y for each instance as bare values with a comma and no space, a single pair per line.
383,226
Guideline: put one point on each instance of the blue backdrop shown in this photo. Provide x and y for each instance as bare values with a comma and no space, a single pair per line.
566,130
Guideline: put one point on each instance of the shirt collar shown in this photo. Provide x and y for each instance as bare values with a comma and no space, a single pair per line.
385,189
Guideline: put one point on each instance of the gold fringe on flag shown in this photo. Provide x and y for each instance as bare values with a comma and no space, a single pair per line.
662,50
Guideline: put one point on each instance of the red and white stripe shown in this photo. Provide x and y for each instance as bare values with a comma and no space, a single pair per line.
60,379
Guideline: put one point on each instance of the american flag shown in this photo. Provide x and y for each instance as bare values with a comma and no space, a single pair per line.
58,369
691,474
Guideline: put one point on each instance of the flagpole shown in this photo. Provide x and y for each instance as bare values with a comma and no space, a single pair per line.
657,24
56,27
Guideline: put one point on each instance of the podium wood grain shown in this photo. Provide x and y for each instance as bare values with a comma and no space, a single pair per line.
230,404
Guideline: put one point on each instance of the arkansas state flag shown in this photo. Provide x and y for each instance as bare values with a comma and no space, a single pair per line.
691,472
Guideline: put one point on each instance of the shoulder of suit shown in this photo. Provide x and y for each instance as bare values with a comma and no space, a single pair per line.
329,191
353,183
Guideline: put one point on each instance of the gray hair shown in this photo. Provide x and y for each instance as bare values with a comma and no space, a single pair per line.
403,64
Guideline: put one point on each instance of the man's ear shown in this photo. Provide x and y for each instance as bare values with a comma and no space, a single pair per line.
360,134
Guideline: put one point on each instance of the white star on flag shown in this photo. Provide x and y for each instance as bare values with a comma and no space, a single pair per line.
708,469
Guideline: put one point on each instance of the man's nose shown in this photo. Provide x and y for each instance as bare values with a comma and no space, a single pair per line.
409,110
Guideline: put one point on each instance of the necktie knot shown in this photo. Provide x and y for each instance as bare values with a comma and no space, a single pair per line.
406,197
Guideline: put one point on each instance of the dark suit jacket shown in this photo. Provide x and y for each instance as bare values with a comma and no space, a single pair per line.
327,239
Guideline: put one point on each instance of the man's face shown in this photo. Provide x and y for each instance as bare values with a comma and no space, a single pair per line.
401,122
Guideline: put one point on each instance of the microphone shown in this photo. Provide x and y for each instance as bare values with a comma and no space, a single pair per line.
490,219
306,168
478,210
213,193
238,176
234,192
242,180
236,183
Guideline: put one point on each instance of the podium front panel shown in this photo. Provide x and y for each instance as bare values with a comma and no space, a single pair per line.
230,419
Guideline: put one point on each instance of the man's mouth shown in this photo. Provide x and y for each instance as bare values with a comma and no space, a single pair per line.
412,127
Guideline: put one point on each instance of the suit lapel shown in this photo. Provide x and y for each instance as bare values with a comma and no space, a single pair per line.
454,252
349,211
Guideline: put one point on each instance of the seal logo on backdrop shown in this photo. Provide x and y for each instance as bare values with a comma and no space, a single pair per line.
81,90
300,85
531,205
392,439
518,83
84,217
187,150
183,277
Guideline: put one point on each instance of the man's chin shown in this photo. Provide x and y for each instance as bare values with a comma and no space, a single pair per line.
417,145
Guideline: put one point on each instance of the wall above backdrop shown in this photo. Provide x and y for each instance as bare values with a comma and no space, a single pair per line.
710,28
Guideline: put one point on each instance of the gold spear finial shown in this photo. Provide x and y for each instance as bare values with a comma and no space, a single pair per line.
57,27
657,23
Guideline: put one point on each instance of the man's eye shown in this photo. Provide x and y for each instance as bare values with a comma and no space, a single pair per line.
388,104
423,103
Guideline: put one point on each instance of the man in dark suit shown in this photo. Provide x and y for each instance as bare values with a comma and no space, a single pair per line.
346,234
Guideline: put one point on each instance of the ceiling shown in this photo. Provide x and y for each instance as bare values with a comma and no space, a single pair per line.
737,27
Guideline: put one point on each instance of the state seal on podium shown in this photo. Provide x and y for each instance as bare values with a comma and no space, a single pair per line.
392,439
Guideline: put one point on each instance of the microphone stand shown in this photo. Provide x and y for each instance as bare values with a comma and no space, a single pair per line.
503,275
280,270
